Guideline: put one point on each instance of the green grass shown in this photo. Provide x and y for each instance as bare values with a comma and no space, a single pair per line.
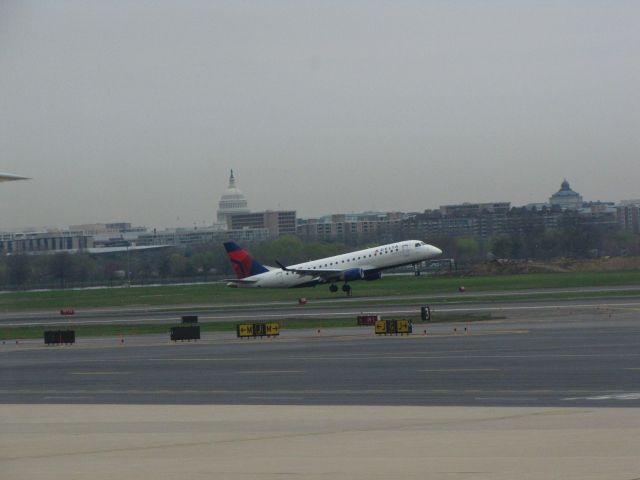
106,330
212,294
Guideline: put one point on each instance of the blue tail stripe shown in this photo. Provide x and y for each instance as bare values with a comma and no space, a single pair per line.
257,267
231,247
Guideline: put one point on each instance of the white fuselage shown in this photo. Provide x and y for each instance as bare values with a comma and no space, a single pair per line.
376,258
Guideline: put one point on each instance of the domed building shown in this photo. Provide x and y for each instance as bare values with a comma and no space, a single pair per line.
566,198
232,201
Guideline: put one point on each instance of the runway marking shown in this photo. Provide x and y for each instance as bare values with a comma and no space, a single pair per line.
618,396
237,359
66,397
316,395
101,373
447,370
274,397
261,372
462,356
507,399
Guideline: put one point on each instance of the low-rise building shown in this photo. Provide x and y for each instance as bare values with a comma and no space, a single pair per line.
186,237
277,222
44,242
350,227
628,217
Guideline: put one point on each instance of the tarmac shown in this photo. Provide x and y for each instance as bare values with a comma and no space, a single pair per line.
579,357
317,442
541,393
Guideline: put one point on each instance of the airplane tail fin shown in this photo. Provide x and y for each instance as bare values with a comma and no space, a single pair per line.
242,262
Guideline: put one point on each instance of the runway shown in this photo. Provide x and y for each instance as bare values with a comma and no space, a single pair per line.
497,302
578,356
522,396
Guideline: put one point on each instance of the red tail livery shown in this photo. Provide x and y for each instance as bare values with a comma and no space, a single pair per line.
242,262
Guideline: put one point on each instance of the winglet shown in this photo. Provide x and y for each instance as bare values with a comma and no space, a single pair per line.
282,266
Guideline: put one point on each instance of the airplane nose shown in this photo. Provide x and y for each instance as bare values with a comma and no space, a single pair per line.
436,250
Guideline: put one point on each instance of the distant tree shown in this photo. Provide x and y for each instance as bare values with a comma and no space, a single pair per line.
178,264
18,269
501,246
312,251
287,249
575,237
202,262
62,267
467,247
110,270
165,266
85,267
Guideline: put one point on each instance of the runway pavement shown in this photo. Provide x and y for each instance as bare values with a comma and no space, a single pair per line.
52,442
336,308
564,356
523,396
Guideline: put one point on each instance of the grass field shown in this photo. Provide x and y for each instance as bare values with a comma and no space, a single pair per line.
12,333
217,293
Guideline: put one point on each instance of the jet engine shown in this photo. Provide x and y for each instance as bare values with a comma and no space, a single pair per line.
372,275
353,274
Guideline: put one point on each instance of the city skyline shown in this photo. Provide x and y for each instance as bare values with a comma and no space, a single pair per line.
232,184
137,111
215,223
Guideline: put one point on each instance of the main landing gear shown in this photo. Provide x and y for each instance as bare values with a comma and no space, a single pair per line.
346,288
416,269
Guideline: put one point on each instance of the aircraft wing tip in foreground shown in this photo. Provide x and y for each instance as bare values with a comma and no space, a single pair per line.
7,177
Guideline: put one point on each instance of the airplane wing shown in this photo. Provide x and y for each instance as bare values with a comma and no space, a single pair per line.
326,275
7,177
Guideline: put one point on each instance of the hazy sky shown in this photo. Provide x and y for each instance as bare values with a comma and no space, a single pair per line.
136,110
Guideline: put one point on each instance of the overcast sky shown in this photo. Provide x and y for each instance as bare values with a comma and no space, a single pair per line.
136,110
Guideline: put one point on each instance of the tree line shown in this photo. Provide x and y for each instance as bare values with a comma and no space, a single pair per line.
572,238
165,265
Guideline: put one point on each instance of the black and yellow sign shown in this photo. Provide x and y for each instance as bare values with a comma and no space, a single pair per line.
404,326
393,327
246,330
381,327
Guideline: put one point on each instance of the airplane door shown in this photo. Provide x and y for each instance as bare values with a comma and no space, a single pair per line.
280,278
405,250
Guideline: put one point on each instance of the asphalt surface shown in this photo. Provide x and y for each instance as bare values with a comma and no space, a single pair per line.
563,355
338,307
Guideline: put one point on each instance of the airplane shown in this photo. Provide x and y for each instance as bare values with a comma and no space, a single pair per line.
361,265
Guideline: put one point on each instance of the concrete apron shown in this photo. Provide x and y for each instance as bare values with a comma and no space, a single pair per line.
317,442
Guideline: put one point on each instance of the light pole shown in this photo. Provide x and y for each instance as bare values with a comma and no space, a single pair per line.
128,265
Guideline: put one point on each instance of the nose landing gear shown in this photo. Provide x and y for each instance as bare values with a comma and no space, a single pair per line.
416,269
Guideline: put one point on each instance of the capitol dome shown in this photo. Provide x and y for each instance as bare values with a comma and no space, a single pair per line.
232,201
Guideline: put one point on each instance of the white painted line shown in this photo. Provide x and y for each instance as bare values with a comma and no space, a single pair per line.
536,307
447,370
235,359
262,372
618,396
101,373
66,397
